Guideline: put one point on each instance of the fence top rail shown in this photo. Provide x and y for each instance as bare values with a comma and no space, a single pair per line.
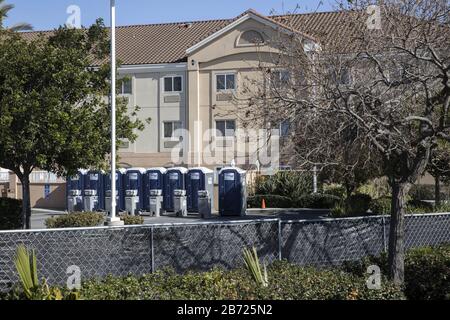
364,217
147,226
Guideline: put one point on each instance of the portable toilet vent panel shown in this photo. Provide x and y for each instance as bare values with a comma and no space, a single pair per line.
94,199
174,180
232,192
154,190
120,191
198,179
134,190
74,191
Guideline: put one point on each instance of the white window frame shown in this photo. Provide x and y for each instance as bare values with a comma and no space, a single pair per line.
226,73
280,72
172,138
172,76
225,136
131,79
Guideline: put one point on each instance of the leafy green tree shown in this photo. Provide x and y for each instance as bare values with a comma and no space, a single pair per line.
4,10
54,110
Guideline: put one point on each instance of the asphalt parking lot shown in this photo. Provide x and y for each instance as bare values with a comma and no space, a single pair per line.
39,216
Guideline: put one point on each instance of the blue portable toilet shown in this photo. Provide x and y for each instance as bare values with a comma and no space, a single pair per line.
134,186
120,190
93,187
198,179
74,191
175,179
154,180
232,192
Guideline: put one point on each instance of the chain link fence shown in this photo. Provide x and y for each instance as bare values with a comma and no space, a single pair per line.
201,246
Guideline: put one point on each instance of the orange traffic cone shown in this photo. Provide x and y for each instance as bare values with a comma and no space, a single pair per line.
263,205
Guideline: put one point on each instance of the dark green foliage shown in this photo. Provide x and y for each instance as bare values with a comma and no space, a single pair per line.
10,214
292,184
423,192
427,272
272,201
318,201
286,282
132,220
381,205
75,220
358,204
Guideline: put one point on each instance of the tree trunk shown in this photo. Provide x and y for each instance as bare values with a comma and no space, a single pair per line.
396,233
437,191
26,202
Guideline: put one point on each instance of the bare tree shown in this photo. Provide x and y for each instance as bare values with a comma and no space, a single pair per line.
379,93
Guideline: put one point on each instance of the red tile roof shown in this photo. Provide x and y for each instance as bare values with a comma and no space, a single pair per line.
168,42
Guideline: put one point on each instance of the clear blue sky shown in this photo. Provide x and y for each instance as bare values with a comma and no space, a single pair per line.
49,14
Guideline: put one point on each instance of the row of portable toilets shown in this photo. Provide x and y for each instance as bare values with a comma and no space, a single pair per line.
156,191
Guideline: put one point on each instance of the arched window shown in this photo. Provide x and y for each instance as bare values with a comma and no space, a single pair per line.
251,37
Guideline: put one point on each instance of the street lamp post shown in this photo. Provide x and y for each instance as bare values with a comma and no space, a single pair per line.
113,219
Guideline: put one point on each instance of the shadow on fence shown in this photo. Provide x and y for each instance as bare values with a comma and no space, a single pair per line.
200,247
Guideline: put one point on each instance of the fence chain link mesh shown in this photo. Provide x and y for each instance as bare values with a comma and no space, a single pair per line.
143,249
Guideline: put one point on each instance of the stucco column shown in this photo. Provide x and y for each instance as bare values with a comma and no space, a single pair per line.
193,114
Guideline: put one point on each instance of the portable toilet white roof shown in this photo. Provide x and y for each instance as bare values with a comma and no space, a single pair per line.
141,170
202,169
181,169
160,169
239,170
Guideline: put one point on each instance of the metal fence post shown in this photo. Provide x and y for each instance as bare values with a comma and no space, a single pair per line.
152,251
280,257
383,219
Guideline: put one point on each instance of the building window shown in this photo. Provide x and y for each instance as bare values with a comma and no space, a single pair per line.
225,128
126,86
284,128
280,79
173,84
251,37
170,129
225,82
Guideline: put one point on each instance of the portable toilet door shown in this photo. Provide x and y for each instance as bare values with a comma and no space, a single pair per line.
198,179
74,189
154,180
120,173
134,180
232,192
93,182
174,180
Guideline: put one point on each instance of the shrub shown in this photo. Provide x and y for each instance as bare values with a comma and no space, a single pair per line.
10,214
272,201
75,220
318,201
338,211
287,282
335,190
132,220
358,204
293,184
427,272
381,205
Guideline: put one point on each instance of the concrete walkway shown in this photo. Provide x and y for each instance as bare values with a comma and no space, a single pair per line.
39,216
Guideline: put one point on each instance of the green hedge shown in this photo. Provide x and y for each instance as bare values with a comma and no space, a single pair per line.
10,214
75,220
358,204
292,184
272,201
318,201
427,272
132,220
286,282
